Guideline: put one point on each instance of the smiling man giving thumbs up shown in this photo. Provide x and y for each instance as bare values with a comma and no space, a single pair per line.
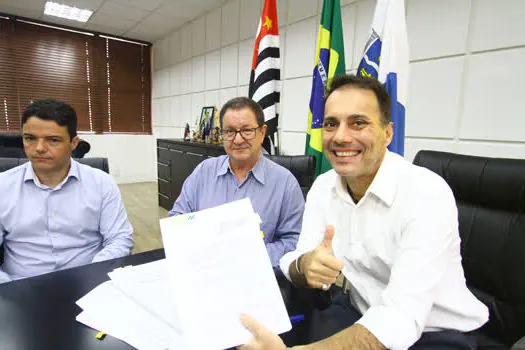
395,230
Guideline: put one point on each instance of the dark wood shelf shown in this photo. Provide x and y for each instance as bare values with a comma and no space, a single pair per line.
176,159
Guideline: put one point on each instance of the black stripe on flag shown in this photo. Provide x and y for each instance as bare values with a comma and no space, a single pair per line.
269,140
251,87
272,125
269,100
271,129
266,76
268,52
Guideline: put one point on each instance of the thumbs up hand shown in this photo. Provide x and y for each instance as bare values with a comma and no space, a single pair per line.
319,266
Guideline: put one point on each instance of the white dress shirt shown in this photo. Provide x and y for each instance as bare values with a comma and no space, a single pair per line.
401,251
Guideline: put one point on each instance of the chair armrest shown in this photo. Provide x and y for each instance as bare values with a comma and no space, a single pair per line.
519,345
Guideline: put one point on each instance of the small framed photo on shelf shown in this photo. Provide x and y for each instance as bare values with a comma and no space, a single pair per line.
209,125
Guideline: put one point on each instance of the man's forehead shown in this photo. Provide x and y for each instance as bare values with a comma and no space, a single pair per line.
40,127
353,92
353,100
240,115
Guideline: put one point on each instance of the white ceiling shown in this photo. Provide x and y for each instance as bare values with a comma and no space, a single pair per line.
147,20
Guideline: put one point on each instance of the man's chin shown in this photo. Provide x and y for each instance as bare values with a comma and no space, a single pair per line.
240,154
240,159
345,170
43,165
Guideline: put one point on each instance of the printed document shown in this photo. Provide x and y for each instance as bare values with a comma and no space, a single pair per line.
220,268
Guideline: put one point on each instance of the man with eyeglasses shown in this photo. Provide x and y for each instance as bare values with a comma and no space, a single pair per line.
274,192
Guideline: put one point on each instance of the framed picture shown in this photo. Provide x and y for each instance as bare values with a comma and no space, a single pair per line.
206,123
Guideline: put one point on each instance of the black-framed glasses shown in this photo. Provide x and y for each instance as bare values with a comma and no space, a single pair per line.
247,133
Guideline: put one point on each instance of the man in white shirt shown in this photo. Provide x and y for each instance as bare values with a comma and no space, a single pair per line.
390,227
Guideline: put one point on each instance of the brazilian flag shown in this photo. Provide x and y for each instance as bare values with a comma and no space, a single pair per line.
329,62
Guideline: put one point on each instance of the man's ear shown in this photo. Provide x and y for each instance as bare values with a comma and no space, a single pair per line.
74,143
389,134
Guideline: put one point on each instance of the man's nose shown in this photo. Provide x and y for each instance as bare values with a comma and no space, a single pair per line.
41,145
343,134
238,138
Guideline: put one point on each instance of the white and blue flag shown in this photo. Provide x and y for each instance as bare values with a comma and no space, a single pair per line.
386,59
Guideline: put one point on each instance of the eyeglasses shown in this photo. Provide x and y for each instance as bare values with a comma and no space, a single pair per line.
247,134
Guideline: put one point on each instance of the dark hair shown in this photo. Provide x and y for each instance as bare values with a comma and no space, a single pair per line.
55,110
349,80
240,103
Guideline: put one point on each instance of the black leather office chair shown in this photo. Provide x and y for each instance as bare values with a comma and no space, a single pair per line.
302,167
95,162
8,163
11,146
490,194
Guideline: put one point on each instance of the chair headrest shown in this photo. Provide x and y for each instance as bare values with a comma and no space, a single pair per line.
82,148
302,167
11,140
497,183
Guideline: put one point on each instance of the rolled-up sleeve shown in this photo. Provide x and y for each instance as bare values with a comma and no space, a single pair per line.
425,254
115,228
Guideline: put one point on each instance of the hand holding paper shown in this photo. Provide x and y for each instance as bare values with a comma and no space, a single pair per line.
262,339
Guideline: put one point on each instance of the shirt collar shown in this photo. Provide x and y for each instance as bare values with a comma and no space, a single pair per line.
384,183
30,174
340,189
383,186
258,170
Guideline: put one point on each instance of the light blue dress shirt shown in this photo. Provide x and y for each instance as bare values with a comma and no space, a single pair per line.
274,192
80,221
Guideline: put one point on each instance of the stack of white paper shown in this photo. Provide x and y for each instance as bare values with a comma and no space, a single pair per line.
216,268
136,306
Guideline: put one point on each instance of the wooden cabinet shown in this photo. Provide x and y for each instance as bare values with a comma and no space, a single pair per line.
176,159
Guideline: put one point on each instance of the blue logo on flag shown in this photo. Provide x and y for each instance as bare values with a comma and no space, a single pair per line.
369,66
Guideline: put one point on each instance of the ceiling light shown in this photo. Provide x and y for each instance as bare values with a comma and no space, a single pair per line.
69,12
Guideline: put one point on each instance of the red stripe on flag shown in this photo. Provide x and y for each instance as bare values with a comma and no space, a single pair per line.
268,25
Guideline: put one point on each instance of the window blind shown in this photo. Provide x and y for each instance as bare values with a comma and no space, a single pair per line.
107,81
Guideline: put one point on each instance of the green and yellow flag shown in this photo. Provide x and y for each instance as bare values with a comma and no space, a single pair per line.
329,62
